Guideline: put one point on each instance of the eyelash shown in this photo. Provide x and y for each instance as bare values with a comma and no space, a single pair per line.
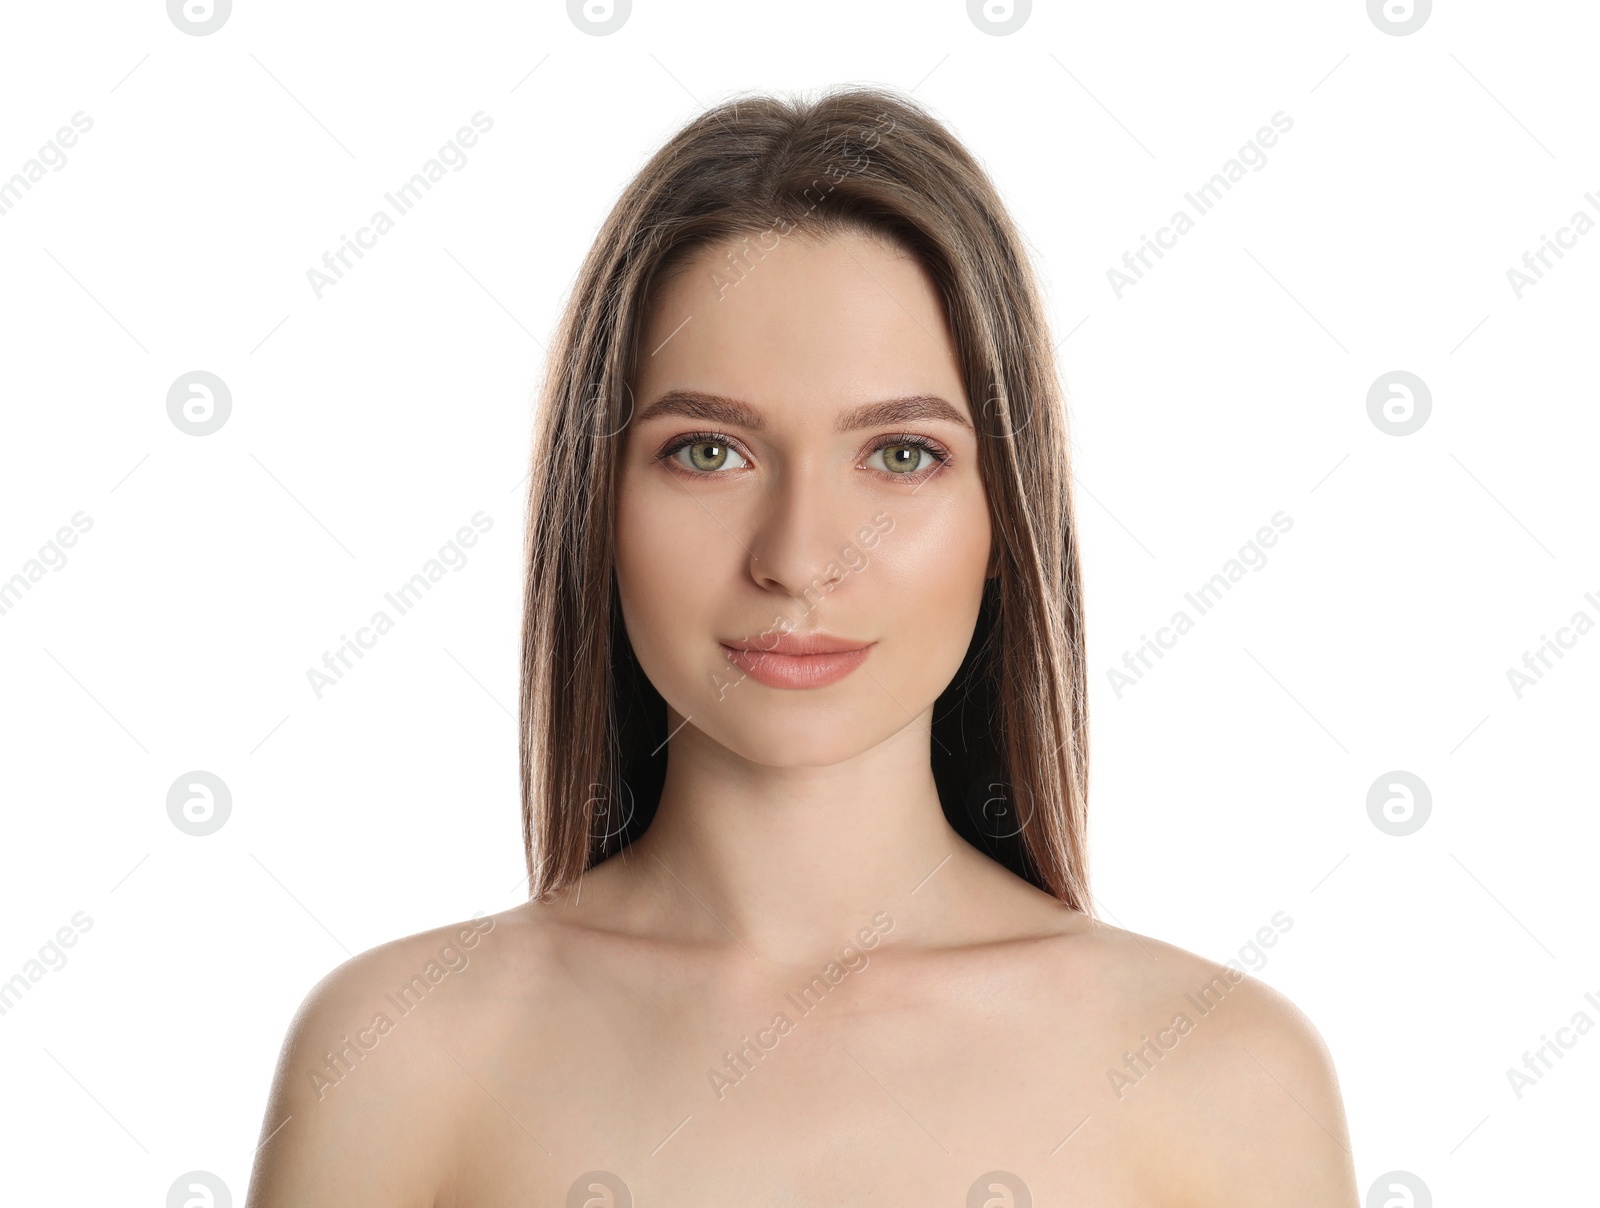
937,451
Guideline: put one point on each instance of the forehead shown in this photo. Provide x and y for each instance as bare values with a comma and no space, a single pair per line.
811,324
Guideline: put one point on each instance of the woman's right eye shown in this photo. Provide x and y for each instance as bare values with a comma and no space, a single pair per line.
708,456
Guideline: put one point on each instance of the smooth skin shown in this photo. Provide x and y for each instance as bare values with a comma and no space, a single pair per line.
960,1021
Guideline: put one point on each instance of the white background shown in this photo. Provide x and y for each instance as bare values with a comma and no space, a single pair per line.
370,424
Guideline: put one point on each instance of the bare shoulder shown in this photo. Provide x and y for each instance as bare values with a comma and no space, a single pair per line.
377,1060
1214,1069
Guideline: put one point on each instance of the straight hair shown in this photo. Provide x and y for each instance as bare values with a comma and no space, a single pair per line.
1010,732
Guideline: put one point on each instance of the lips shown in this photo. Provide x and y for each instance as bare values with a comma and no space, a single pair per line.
797,661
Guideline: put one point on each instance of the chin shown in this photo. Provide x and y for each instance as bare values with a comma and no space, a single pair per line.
794,734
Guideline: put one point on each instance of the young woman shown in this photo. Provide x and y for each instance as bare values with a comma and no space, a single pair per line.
804,760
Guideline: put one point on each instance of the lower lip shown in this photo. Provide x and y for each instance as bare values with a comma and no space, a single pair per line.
796,670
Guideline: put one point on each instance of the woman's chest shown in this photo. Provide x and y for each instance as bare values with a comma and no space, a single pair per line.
786,1098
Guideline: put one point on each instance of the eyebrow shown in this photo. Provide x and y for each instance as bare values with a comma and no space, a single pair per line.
715,408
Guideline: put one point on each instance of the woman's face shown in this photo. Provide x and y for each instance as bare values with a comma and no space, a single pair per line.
800,461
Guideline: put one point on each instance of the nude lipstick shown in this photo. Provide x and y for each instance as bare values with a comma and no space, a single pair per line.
788,660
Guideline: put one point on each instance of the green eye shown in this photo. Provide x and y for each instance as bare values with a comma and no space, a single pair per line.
903,458
708,456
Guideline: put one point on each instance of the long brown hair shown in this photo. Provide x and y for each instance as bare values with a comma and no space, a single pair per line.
1010,742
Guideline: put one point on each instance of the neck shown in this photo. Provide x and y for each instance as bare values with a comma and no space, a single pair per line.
790,861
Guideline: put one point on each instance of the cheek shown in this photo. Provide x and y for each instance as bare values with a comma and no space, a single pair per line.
933,563
667,584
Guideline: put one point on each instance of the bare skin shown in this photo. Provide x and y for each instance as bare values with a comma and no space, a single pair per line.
800,985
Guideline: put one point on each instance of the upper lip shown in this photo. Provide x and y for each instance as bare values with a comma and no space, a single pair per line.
797,643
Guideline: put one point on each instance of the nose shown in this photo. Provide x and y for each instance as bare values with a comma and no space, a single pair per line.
802,530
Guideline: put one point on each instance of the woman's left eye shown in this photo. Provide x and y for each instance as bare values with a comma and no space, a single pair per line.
904,457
